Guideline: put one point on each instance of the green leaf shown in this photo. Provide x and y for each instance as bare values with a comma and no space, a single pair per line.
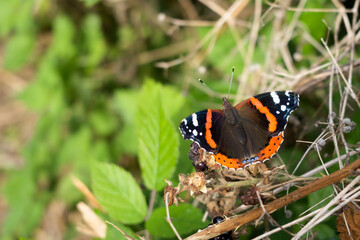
75,148
113,234
46,91
94,42
324,232
118,192
186,219
25,207
25,21
318,196
158,142
7,16
63,38
18,51
103,122
172,100
125,103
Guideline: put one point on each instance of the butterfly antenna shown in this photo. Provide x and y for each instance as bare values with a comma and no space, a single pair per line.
215,93
231,79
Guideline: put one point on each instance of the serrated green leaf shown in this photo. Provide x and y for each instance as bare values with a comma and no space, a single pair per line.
185,217
158,142
118,192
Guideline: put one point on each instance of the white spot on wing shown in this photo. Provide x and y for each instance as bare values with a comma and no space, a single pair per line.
287,93
275,97
195,132
194,119
200,133
277,112
283,108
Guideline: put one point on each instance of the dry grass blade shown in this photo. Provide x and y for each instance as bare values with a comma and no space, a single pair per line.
87,193
94,225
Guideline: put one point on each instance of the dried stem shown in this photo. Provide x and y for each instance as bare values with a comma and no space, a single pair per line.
168,219
235,222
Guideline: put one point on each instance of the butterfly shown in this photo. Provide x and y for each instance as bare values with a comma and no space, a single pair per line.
247,133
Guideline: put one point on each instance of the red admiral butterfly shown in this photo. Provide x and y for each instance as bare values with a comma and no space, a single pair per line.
249,133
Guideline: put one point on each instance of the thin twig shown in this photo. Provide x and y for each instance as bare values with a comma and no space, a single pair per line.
267,234
151,204
168,219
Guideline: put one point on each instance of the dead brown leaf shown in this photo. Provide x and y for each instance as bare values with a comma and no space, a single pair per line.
350,227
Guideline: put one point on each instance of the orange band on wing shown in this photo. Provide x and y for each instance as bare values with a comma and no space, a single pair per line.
228,162
271,118
272,147
208,125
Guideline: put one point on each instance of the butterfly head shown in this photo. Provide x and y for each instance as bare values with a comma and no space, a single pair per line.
226,104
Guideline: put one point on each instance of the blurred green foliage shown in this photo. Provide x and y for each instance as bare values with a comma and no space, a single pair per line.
113,123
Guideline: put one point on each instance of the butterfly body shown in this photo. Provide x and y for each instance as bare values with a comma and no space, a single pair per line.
247,133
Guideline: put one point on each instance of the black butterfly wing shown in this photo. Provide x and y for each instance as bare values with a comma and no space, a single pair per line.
204,128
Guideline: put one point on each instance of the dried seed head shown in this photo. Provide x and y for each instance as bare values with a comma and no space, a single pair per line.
171,195
352,124
195,183
347,129
250,197
322,142
346,121
288,214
